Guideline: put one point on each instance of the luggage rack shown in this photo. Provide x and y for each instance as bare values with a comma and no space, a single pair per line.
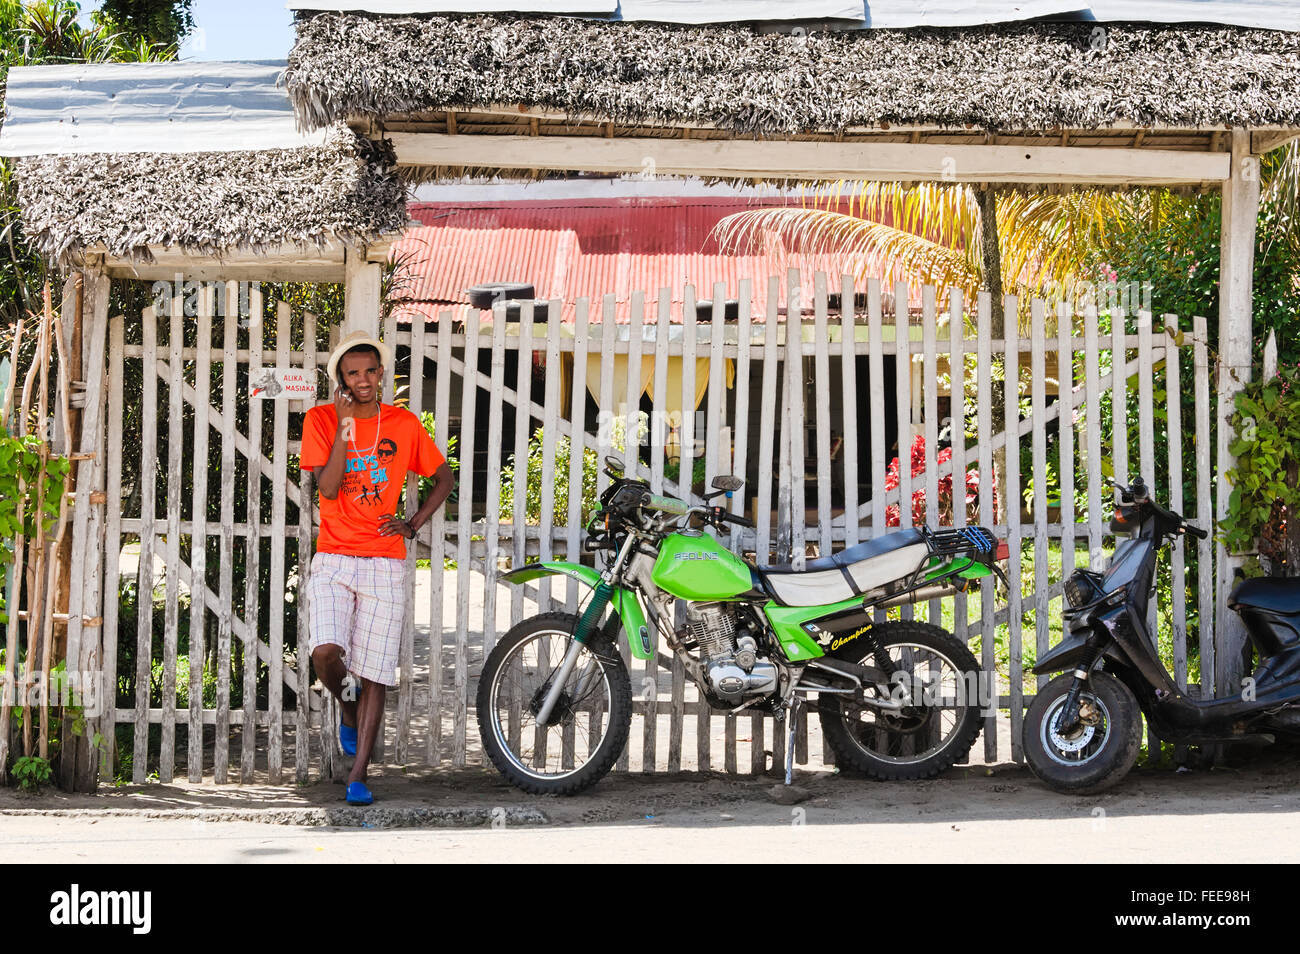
975,542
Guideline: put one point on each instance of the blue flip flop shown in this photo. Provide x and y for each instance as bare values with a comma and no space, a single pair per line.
358,794
348,739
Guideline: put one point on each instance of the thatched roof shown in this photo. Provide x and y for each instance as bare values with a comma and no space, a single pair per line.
1033,76
211,202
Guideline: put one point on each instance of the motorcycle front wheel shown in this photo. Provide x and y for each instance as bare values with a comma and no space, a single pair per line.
925,737
1099,751
586,731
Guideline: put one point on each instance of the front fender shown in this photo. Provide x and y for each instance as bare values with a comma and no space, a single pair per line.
642,638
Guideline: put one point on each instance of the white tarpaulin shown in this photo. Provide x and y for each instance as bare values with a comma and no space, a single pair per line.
877,14
148,107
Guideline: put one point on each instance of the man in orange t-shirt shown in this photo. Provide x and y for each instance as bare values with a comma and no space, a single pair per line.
360,451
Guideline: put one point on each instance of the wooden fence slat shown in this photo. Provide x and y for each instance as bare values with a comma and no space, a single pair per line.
577,441
1146,452
438,531
821,383
1092,413
1205,576
930,416
406,688
1038,410
767,428
984,419
658,420
849,407
199,534
279,454
252,543
172,547
550,429
1011,396
1118,398
464,513
519,491
714,451
492,537
629,413
1174,431
302,654
797,416
957,435
112,538
876,384
1065,430
903,410
225,585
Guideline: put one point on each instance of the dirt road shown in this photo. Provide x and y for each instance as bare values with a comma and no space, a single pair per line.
1002,814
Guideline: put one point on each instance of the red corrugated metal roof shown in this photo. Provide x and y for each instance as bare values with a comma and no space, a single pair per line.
587,248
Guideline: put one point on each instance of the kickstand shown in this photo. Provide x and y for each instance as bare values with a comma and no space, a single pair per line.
791,720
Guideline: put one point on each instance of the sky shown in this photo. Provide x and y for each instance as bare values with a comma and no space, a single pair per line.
236,30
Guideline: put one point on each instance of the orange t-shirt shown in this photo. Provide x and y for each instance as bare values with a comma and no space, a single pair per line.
382,450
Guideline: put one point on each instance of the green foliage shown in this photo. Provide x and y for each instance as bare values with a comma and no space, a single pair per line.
32,773
159,22
1266,421
559,476
20,465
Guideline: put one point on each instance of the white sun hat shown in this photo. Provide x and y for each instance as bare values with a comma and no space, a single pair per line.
356,339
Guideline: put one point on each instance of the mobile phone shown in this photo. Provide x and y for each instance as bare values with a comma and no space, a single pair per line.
343,387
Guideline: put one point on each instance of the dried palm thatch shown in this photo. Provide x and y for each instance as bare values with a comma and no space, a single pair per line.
210,203
1007,77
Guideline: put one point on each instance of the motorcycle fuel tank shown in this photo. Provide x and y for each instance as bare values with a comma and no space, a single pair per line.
694,566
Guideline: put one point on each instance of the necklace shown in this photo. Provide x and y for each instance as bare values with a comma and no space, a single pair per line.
379,424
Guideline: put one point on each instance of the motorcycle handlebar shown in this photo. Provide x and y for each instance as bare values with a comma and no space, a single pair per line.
1196,532
736,519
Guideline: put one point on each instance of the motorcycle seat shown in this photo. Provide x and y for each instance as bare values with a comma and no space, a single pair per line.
854,571
1279,595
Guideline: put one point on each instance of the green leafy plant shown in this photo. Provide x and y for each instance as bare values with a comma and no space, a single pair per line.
20,466
1265,488
559,477
32,773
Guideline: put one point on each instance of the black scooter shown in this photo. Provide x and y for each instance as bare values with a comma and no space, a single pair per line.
1083,730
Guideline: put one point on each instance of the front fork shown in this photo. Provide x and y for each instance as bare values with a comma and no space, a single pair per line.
1069,718
587,624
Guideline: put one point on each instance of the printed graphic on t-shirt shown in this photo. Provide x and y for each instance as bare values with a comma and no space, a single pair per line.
366,475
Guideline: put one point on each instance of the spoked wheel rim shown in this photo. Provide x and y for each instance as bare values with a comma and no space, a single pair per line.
1085,742
577,727
936,683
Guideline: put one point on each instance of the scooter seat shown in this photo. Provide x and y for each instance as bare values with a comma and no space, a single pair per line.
854,571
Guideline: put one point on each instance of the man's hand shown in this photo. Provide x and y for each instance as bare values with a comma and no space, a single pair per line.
390,526
346,408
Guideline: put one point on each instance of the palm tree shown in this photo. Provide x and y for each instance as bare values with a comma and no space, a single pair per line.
939,233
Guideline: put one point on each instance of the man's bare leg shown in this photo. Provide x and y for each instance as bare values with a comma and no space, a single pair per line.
370,716
328,660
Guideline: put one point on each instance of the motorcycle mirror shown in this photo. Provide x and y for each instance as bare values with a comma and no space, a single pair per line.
614,465
728,483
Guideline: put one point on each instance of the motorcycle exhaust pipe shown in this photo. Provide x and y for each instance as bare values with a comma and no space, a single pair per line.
931,592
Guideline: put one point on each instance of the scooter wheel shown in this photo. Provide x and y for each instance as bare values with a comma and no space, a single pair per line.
1097,753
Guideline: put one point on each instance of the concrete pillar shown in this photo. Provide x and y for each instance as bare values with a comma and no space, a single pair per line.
1236,280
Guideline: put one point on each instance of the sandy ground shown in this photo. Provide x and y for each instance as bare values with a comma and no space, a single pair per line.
1000,813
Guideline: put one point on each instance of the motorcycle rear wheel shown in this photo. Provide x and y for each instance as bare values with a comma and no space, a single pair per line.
924,739
589,726
1093,757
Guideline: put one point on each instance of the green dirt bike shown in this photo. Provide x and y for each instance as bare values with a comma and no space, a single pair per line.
896,699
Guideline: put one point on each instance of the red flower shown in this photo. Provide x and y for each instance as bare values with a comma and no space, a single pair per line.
945,503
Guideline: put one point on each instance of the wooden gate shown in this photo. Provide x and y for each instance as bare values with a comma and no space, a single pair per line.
673,391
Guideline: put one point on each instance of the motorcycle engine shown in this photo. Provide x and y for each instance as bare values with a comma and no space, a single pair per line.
729,652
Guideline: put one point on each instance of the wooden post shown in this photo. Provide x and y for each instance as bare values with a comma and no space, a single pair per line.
361,292
79,768
1236,271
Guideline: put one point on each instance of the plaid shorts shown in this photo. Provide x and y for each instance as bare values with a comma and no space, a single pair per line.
359,604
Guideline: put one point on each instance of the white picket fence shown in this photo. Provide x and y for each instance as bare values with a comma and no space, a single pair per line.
820,472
